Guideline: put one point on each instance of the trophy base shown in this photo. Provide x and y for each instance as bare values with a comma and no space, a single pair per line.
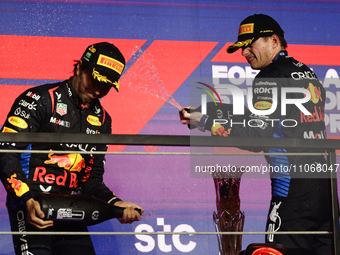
229,244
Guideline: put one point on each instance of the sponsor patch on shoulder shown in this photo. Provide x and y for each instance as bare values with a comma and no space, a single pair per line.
18,122
93,120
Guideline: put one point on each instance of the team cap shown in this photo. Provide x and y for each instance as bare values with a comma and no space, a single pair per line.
254,27
106,62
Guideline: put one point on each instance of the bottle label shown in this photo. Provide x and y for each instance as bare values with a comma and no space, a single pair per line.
69,214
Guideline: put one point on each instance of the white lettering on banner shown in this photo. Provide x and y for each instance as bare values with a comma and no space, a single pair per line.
332,100
161,238
176,238
334,122
331,78
236,74
150,242
161,242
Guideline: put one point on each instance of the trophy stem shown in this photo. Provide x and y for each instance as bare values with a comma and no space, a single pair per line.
228,217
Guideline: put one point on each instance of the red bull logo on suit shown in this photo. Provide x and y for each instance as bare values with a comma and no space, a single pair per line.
19,187
72,162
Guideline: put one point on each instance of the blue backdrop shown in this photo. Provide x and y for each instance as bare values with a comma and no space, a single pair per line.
180,40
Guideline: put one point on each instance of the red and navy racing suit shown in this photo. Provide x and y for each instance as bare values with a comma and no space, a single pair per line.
300,196
53,108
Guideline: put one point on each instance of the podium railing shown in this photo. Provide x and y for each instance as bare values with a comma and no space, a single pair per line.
329,145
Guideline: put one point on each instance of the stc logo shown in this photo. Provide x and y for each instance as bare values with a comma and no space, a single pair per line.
149,242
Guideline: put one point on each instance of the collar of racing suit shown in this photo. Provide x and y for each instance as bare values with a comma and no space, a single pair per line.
282,53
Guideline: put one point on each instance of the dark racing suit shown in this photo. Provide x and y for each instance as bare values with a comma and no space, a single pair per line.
53,108
300,195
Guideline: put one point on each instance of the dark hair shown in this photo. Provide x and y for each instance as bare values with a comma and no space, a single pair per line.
283,42
83,66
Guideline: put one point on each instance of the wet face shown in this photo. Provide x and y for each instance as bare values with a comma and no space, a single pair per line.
261,53
86,88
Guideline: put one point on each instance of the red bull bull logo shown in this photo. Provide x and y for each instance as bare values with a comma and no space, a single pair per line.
315,93
9,130
18,186
72,162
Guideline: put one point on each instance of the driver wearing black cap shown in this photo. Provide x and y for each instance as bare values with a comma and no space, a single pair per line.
70,106
300,198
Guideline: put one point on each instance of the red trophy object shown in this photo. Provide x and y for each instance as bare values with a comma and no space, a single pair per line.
228,217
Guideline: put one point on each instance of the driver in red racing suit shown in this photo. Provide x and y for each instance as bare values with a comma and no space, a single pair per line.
71,106
300,196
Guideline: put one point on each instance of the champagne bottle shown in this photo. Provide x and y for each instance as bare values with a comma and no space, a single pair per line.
77,208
